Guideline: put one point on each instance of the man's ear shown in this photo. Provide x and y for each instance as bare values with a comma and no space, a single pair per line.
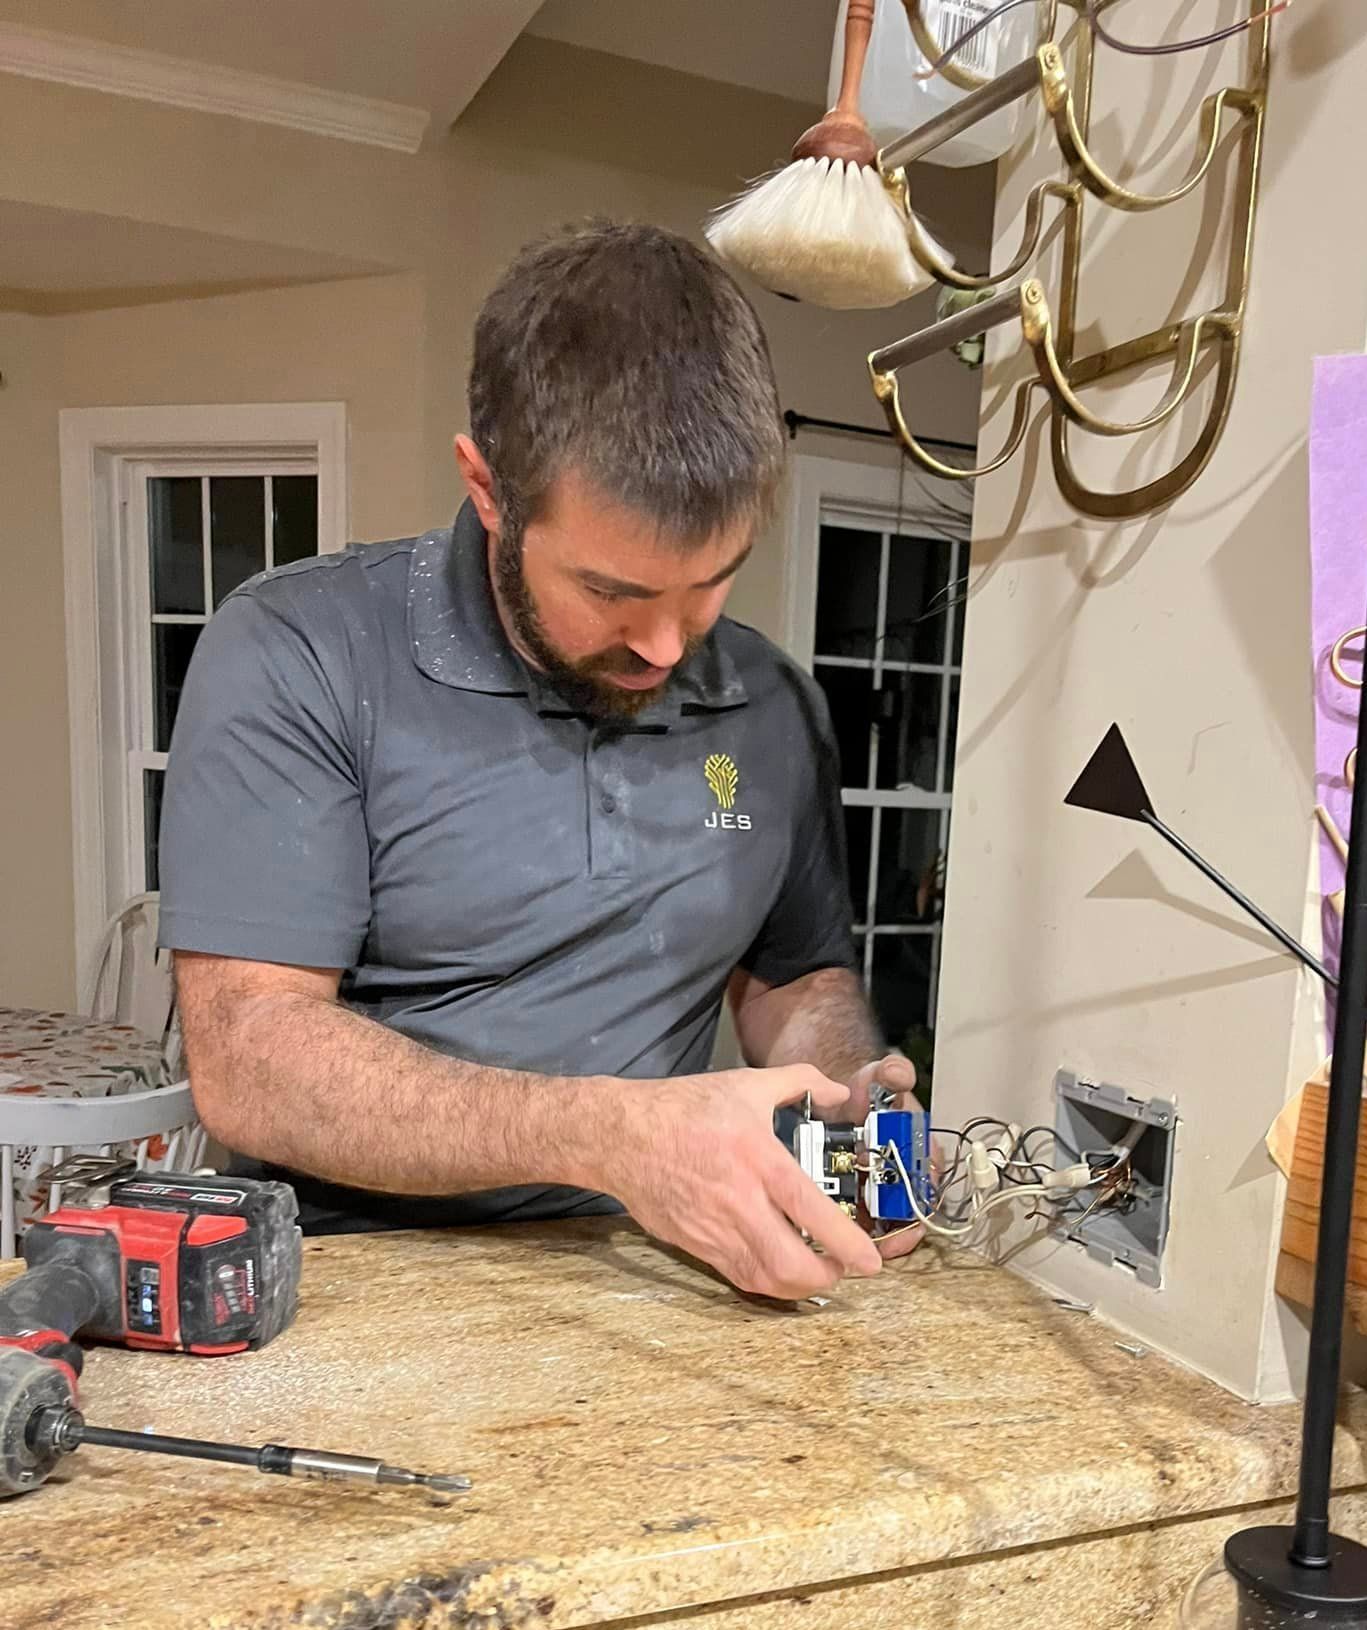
479,482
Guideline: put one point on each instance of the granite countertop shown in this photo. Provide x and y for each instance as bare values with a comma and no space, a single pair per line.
641,1439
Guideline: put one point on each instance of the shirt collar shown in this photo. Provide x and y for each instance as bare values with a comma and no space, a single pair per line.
453,623
458,639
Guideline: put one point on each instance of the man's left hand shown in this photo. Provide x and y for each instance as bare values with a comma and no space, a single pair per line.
898,1076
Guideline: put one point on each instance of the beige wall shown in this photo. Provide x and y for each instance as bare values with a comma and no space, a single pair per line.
1076,941
35,815
358,342
557,134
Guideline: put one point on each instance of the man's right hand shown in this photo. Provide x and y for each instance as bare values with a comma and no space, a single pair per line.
695,1161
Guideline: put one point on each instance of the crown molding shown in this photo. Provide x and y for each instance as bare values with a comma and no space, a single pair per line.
151,76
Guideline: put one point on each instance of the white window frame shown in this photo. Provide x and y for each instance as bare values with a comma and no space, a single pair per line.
865,494
102,450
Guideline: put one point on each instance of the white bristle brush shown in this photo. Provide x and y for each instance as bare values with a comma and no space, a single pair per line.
825,229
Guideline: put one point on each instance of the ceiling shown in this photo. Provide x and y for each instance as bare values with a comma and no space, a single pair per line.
779,46
432,55
47,256
435,54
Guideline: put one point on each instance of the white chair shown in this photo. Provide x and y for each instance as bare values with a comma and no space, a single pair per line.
54,1128
130,981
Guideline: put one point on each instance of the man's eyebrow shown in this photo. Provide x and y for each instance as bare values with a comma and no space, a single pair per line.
727,571
640,591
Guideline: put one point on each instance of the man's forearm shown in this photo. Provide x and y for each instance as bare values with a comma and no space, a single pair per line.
305,1083
281,1071
821,1019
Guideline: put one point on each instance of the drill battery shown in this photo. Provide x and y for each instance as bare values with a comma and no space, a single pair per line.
180,1262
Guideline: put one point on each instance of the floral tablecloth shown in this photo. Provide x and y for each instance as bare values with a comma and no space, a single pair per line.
63,1055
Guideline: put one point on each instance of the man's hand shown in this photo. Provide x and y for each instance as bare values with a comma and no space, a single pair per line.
696,1162
898,1075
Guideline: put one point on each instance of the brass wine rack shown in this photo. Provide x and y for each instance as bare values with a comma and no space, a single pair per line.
1066,101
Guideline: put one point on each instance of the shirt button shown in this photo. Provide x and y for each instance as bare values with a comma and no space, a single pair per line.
609,803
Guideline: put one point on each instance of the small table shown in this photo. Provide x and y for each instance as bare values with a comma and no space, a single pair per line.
66,1055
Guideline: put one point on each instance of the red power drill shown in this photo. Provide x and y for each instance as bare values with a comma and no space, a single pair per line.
171,1262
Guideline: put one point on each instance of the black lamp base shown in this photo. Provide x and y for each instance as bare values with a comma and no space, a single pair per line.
1274,1592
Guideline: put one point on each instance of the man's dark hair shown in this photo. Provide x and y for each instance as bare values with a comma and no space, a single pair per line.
624,353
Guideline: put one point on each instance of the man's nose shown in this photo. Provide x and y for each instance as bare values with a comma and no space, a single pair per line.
661,643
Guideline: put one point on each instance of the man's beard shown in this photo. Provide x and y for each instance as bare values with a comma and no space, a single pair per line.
584,685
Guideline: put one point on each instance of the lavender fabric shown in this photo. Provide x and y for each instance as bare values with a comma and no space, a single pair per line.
1338,533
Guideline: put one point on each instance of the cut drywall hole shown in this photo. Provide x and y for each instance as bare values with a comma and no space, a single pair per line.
1100,1122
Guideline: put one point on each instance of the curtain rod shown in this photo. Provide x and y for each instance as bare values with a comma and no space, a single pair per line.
805,421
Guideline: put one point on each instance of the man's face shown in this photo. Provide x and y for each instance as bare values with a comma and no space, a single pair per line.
597,598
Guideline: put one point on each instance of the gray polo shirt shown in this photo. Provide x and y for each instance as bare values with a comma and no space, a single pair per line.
364,775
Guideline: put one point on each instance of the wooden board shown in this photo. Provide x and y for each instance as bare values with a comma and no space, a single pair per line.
1300,1222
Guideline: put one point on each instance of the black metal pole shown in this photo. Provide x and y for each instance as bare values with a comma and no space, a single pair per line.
1287,1575
1311,1545
1240,899
805,421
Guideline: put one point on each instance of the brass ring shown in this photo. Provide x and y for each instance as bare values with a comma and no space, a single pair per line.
1350,770
1336,658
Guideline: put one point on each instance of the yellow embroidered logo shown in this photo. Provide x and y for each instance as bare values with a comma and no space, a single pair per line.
723,778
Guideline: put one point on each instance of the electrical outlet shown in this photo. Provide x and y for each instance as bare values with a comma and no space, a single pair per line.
1098,1121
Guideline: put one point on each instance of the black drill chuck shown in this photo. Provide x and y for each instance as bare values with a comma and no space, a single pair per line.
29,1386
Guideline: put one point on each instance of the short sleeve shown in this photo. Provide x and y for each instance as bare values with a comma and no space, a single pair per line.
809,926
264,853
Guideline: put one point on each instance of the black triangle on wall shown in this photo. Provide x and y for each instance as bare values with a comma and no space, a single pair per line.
1110,783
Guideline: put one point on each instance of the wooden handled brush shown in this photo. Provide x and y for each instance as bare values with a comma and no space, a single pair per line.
825,228
844,132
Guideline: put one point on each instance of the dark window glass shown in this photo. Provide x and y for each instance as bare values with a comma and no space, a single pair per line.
173,645
237,530
175,524
918,573
294,506
847,592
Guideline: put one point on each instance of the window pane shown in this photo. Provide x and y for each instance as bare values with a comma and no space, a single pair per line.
952,740
918,574
908,860
172,646
901,983
295,517
847,592
859,850
175,524
850,695
909,730
152,784
237,530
